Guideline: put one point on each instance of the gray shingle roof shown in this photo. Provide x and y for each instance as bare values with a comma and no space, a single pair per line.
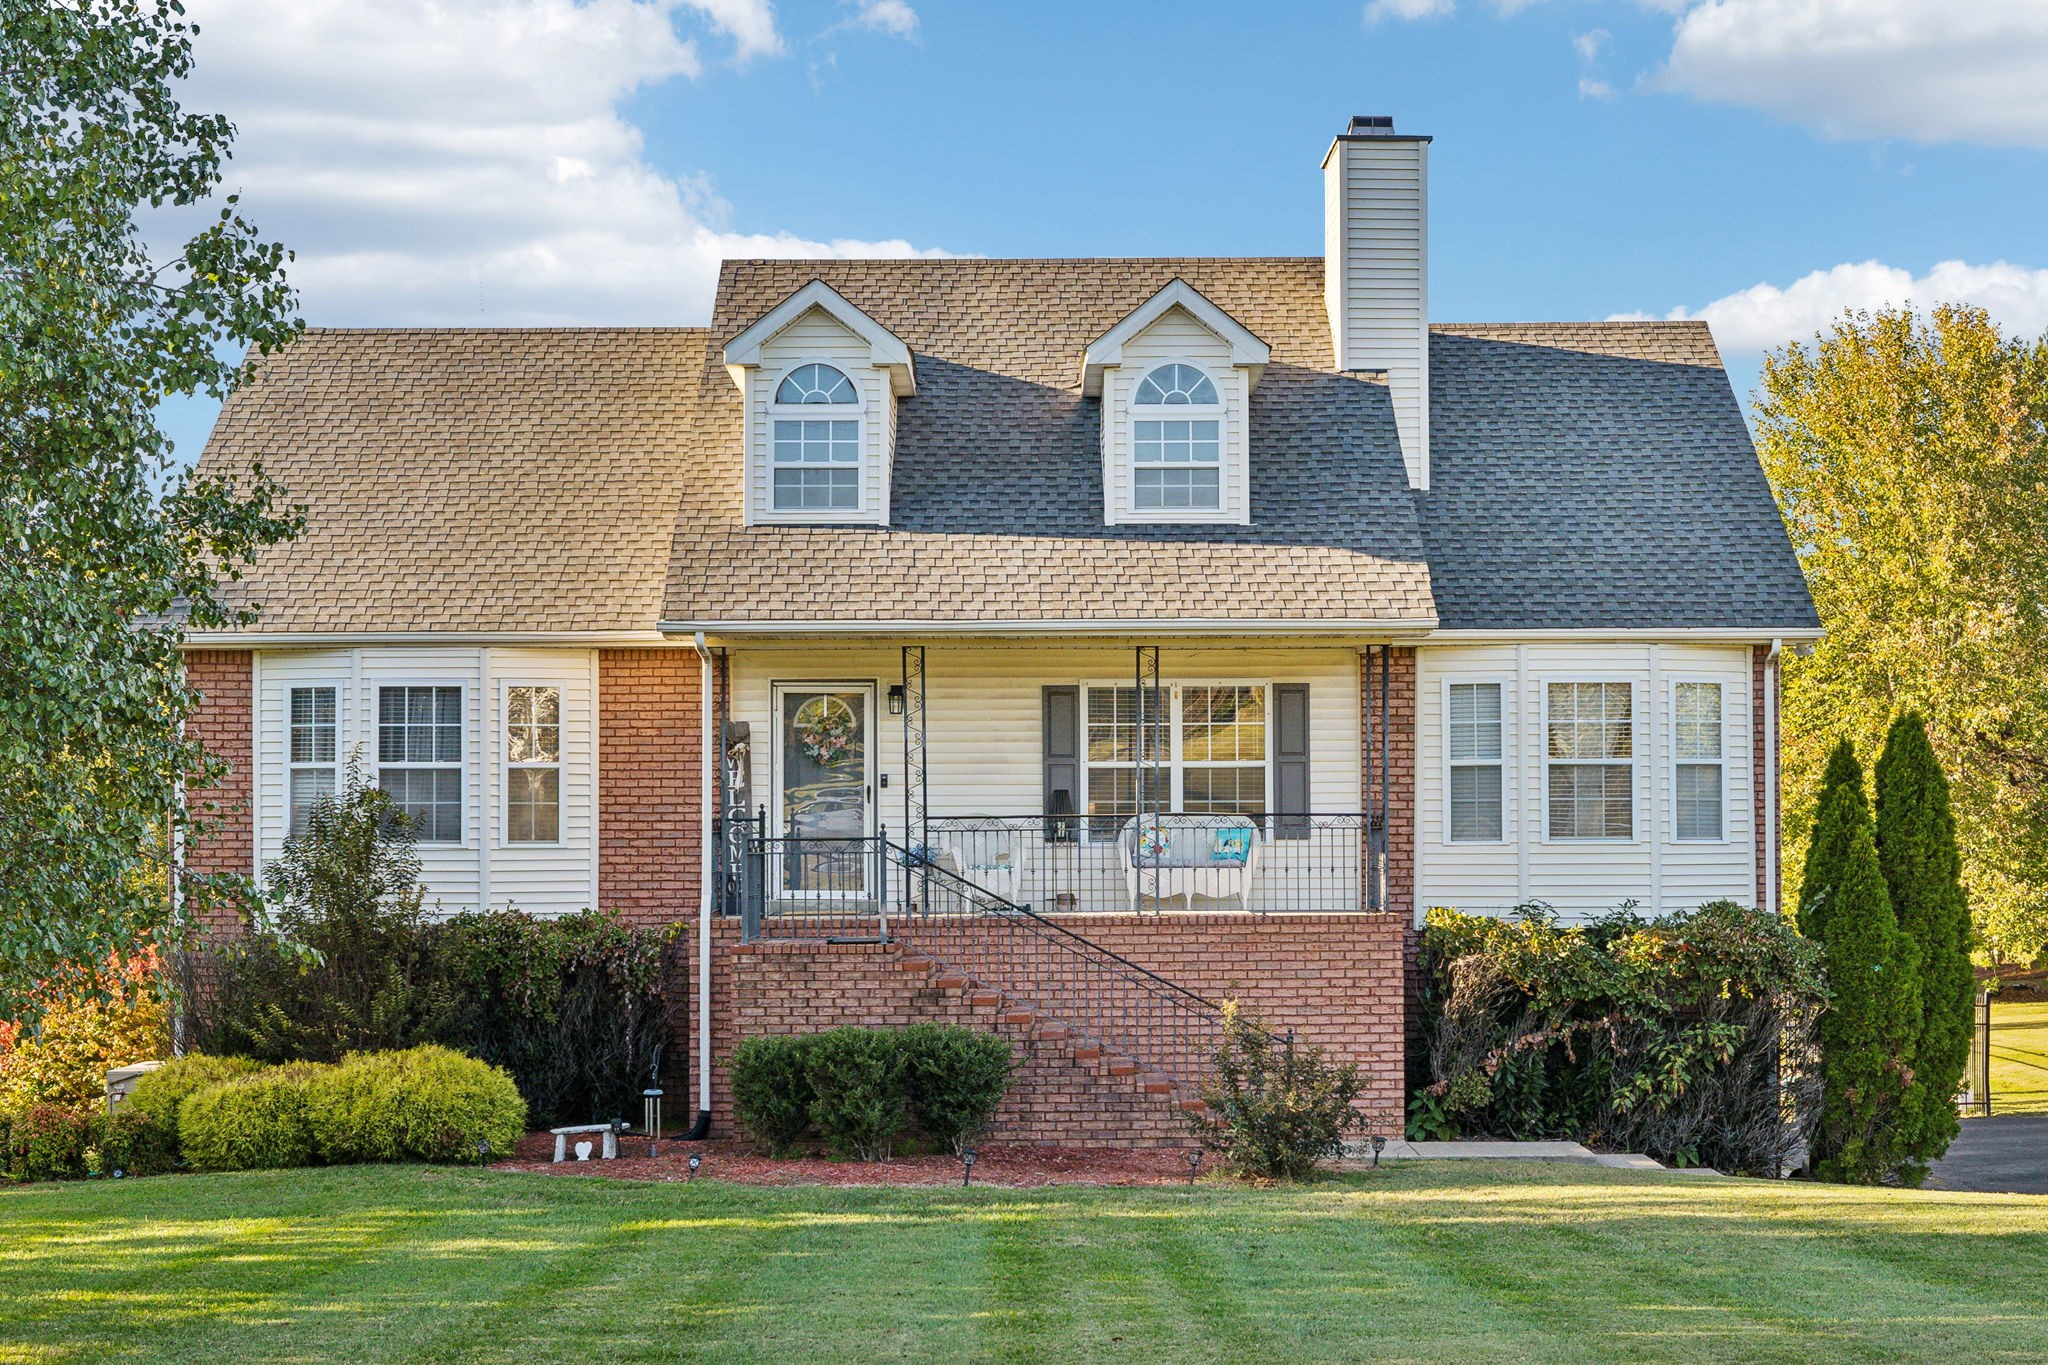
996,504
1598,475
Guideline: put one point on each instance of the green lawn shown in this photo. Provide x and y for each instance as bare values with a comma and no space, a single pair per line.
2019,1057
1512,1263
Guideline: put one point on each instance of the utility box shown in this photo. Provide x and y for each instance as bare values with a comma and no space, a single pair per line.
122,1079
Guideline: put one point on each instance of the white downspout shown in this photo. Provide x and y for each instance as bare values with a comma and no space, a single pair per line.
1772,894
704,888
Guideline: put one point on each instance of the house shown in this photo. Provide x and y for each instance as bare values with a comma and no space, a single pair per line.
1055,645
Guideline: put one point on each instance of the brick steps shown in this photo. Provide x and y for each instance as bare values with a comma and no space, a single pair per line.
1039,1028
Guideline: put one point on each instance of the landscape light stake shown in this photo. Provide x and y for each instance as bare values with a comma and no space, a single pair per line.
696,1160
1379,1144
1194,1163
966,1167
650,1099
483,1152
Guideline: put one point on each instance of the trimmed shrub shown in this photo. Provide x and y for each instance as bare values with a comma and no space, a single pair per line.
1283,1107
254,1122
424,1104
1923,873
859,1093
160,1093
1827,849
771,1089
48,1142
133,1143
955,1078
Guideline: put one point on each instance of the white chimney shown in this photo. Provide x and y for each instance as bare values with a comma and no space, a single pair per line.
1376,269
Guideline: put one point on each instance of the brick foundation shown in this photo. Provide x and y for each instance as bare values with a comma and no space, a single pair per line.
1338,980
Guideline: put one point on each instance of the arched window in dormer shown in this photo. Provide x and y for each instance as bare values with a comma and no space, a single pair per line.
1176,385
1176,441
816,465
815,384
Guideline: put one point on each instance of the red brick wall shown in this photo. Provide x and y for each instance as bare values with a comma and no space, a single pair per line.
649,779
1401,776
1338,980
224,723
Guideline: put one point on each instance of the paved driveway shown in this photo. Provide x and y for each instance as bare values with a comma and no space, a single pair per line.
2005,1155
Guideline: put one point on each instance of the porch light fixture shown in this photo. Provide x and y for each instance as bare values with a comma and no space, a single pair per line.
896,699
966,1167
650,1107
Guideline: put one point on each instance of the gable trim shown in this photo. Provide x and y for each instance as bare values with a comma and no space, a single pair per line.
886,351
1247,352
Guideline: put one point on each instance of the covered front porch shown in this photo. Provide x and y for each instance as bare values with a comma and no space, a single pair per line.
865,785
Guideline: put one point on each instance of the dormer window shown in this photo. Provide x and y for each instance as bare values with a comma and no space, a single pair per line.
1175,377
820,380
817,454
1176,441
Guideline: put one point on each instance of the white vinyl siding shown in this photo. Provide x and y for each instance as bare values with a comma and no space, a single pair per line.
1376,276
818,464
483,869
1583,877
1176,463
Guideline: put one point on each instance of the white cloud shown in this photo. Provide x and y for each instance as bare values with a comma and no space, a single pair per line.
1379,10
1923,70
892,17
465,162
1768,315
1589,47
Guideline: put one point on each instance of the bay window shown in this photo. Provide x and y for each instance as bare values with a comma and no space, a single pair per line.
533,765
1697,761
419,757
310,756
1590,758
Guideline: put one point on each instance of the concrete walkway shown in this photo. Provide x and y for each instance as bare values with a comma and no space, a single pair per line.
2006,1155
1400,1149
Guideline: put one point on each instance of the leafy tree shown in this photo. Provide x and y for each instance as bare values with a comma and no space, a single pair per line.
105,555
1827,852
1916,848
1867,1031
1909,453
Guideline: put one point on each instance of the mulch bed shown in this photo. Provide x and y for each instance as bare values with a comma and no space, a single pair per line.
1015,1165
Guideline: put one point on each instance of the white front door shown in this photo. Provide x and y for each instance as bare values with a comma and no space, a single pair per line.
824,788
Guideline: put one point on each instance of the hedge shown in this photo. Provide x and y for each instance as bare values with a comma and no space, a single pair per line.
861,1089
161,1092
252,1122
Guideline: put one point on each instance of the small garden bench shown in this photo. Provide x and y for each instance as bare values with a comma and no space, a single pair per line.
1212,856
611,1139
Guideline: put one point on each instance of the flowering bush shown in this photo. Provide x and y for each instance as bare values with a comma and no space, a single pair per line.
117,1018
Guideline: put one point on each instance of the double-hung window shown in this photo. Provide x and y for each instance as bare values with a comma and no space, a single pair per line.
1697,769
310,756
533,765
1590,755
1472,738
419,757
1176,442
816,465
1209,743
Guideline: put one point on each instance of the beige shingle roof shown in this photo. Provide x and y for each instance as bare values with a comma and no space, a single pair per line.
996,511
469,479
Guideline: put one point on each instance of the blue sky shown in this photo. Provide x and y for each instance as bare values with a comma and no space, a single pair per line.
1762,163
